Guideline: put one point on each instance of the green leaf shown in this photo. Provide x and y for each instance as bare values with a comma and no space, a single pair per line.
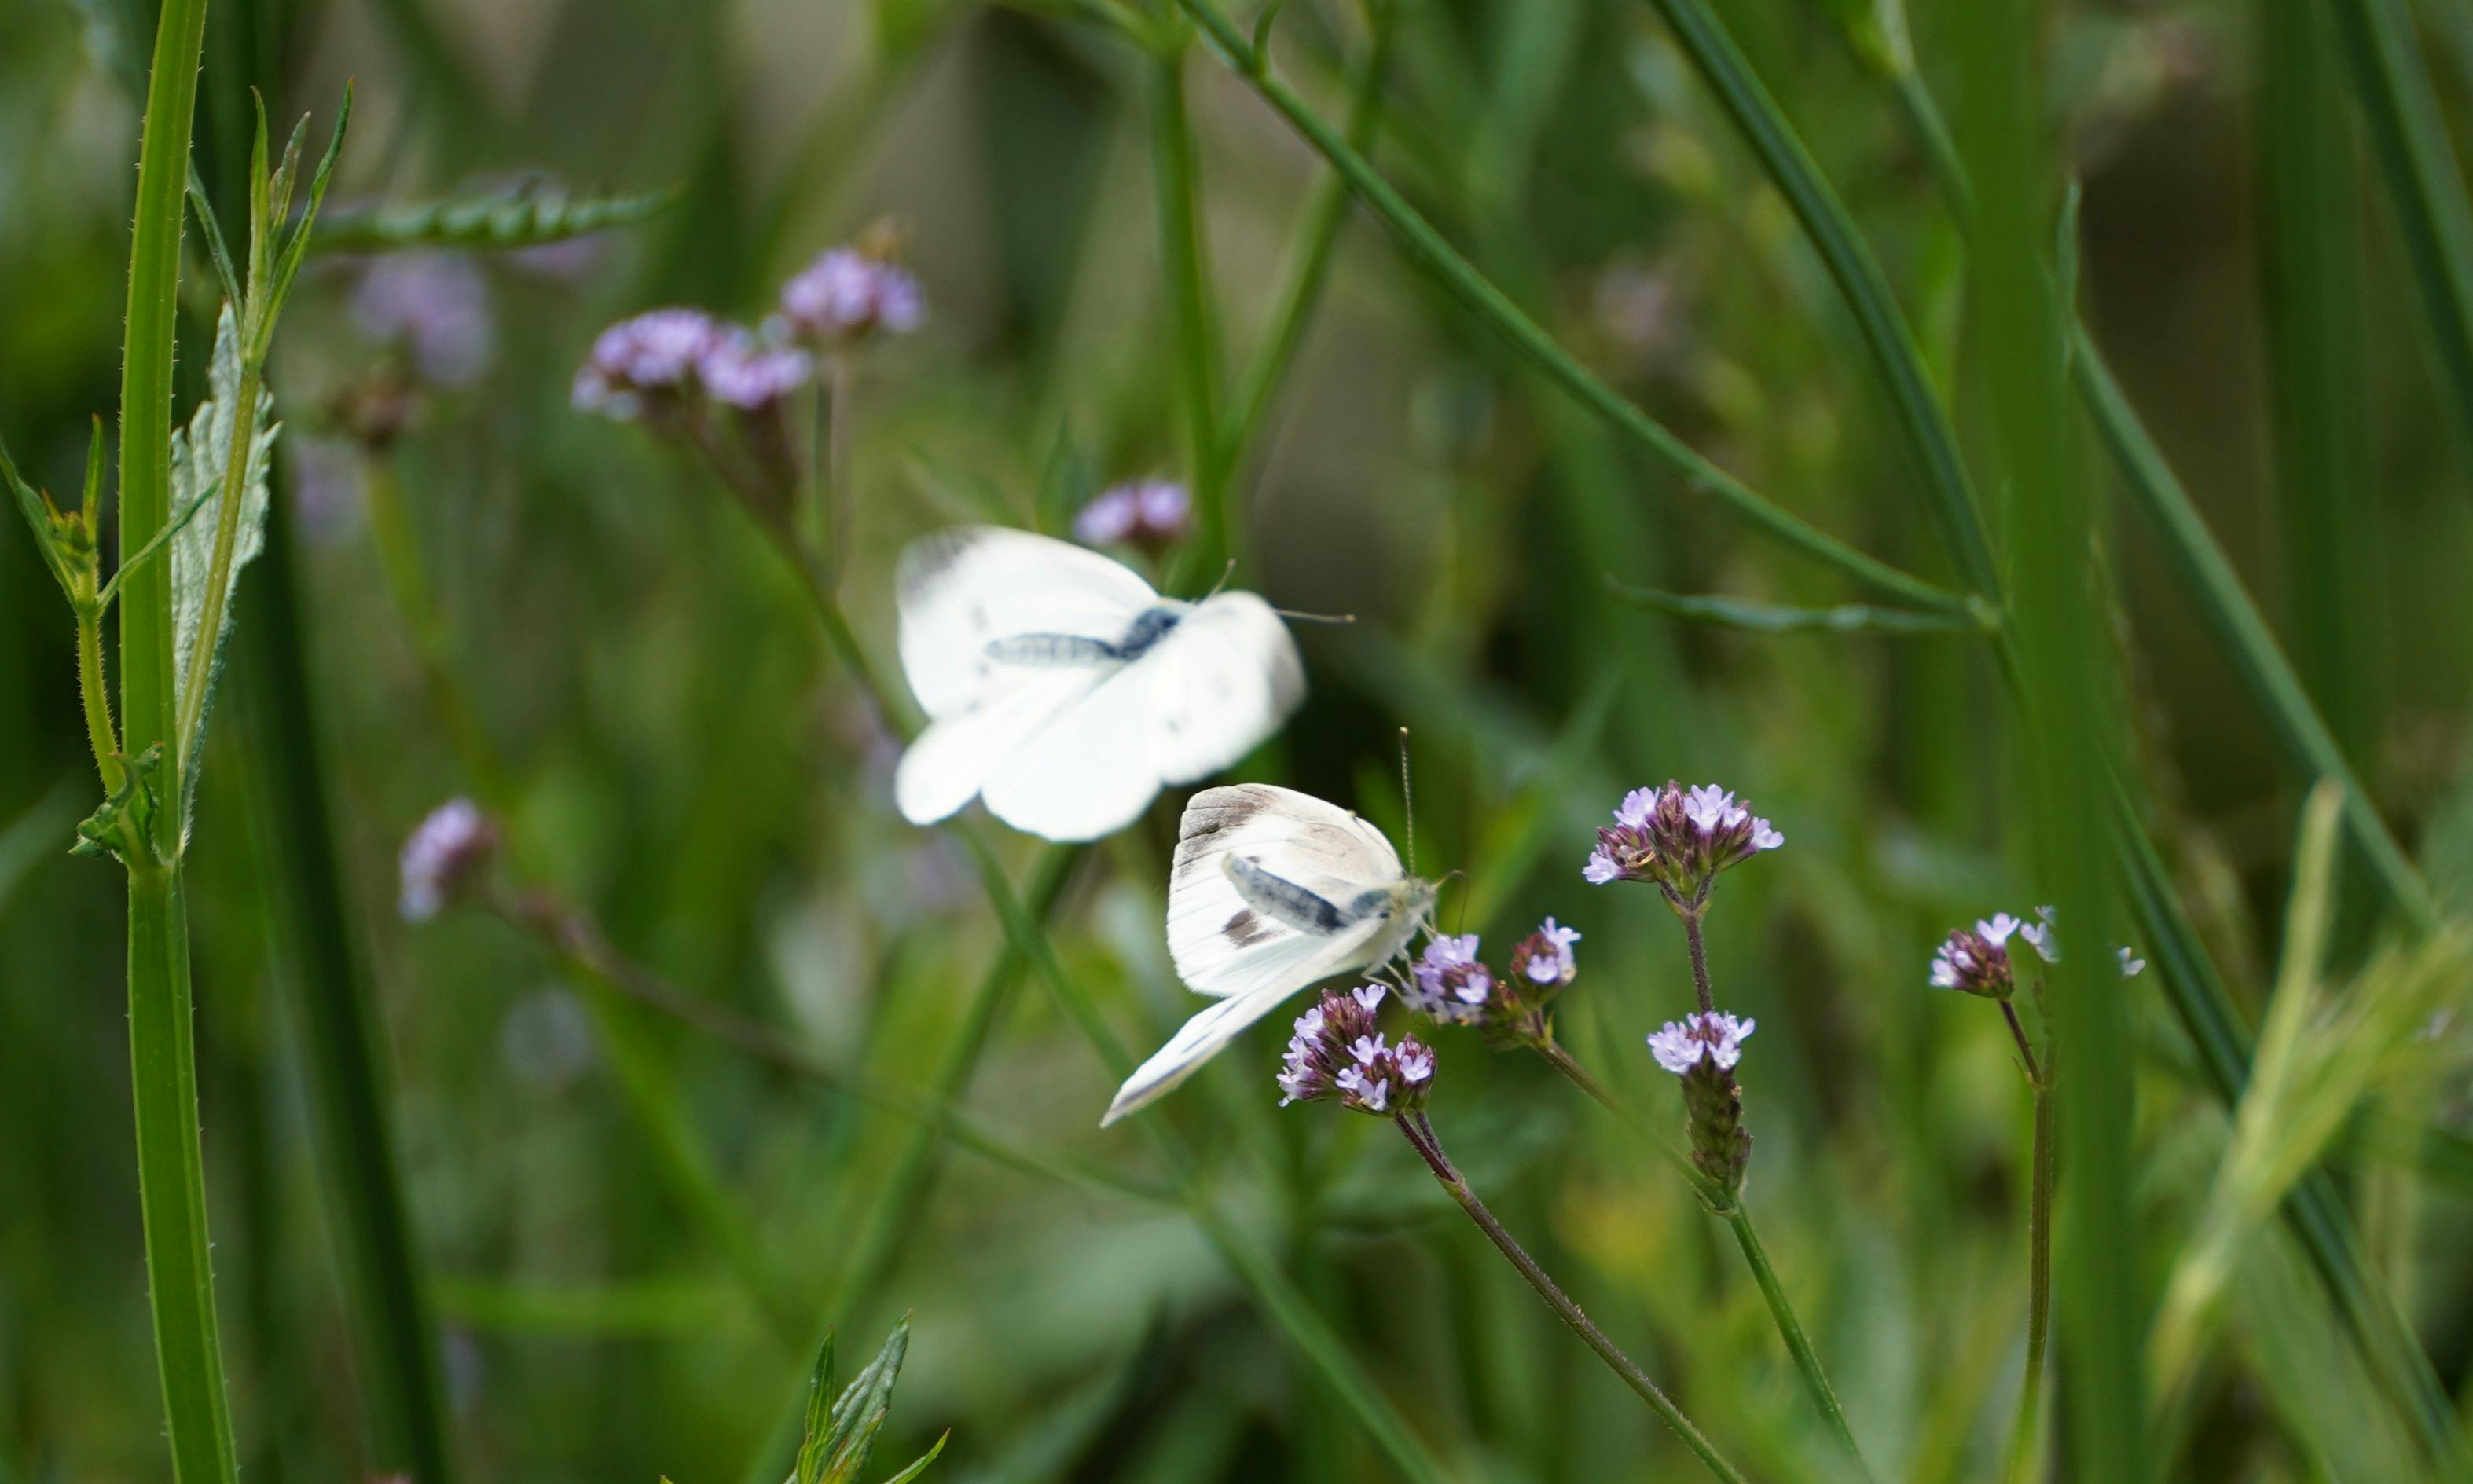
816,1435
296,248
198,455
861,1409
526,216
123,826
1749,617
42,519
919,1466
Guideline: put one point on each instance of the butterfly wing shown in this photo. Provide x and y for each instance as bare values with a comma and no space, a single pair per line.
1199,1039
1221,943
1225,679
957,590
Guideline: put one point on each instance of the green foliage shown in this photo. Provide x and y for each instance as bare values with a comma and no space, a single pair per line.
841,1429
526,215
123,825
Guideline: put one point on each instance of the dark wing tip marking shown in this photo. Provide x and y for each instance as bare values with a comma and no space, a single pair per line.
1246,929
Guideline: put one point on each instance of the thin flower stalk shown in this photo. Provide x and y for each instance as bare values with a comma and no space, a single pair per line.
1419,1131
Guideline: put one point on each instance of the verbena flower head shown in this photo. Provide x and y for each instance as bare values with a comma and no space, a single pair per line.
436,305
741,370
1448,982
1151,514
1712,1034
848,294
1976,960
443,857
1704,1049
1677,839
1544,960
1337,1052
647,365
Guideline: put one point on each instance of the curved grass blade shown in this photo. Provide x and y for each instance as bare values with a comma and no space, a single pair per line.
2409,138
1481,296
1928,434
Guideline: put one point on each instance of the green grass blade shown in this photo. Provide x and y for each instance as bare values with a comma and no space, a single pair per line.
1309,258
2066,731
1925,426
349,1085
2310,232
2408,134
2240,631
171,1176
2314,1211
1193,335
1489,303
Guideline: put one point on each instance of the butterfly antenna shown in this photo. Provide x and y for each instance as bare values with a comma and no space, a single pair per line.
1225,573
1409,800
1316,618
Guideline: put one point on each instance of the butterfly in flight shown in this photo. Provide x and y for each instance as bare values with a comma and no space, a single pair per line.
1272,890
1065,692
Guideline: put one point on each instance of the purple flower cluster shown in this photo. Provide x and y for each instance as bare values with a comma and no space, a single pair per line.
652,368
1712,1034
1337,1052
442,857
1151,514
434,304
848,294
1977,961
1448,983
1545,958
1677,839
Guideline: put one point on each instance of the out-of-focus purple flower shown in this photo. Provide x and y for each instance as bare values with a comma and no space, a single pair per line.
434,304
1151,514
1448,983
1712,1034
1336,1052
647,363
741,370
443,857
846,295
2047,943
1677,839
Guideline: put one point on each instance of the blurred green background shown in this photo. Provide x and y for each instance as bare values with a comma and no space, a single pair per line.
630,1235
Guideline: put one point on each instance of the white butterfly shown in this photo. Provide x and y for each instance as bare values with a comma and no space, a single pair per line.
1272,891
1066,692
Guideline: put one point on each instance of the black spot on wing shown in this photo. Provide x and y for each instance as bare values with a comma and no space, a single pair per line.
1246,929
1232,809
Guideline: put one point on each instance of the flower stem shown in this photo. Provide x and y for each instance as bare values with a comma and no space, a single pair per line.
1420,1135
1690,915
1806,1361
99,731
2018,1033
2039,1290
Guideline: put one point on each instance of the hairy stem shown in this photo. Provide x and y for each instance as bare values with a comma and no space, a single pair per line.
1699,954
96,698
1420,1135
2039,1293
